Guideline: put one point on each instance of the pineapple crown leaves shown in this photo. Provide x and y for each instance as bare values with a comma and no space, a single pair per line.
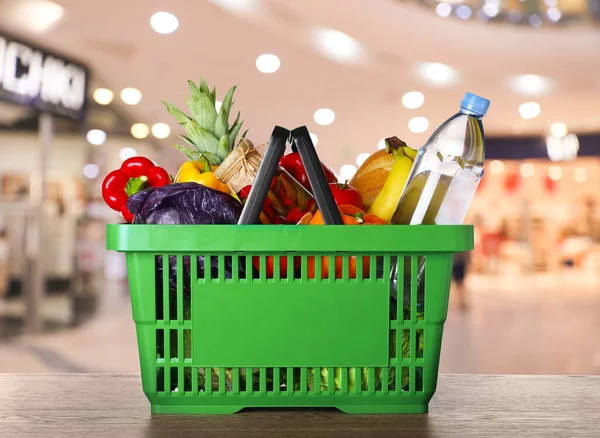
208,132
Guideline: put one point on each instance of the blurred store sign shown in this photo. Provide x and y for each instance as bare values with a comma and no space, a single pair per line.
562,148
42,80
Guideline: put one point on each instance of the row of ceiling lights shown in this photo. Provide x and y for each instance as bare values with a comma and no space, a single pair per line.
491,9
527,170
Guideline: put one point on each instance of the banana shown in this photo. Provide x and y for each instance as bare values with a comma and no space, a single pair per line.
386,201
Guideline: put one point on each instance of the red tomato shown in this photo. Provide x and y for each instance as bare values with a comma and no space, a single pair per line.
346,194
135,167
270,265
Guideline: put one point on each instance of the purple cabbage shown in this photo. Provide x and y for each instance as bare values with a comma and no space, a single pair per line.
184,204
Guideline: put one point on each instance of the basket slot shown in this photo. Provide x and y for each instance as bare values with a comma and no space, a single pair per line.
414,272
166,289
187,288
178,305
405,344
423,286
158,287
174,344
160,344
187,380
418,379
160,379
420,341
174,382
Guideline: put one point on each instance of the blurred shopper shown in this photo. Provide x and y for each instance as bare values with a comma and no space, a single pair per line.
459,272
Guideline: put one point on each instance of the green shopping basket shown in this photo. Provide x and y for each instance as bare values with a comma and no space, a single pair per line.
236,316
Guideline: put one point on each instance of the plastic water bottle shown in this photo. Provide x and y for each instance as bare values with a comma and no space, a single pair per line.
447,170
443,180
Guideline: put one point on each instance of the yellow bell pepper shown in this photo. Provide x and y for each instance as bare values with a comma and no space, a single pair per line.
196,171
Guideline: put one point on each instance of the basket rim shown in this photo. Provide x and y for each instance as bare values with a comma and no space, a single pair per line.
265,239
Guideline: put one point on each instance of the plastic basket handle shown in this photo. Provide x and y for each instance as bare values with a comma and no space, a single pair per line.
264,176
316,176
268,166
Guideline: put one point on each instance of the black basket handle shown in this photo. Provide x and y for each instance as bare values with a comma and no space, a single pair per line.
268,166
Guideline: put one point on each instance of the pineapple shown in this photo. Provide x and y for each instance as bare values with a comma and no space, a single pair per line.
208,133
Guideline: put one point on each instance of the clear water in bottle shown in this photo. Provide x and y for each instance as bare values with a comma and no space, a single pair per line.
443,180
447,170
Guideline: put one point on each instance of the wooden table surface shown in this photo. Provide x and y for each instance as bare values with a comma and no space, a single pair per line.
108,405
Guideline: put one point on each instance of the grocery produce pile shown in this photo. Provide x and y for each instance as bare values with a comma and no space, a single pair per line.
212,185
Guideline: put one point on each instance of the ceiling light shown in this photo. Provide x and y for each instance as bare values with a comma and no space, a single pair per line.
324,116
535,20
551,3
140,130
530,84
437,73
96,137
555,173
131,96
127,153
413,99
218,104
529,110
35,16
443,10
496,167
90,171
554,14
103,96
580,175
161,130
238,6
361,159
527,170
418,125
347,171
562,148
491,9
337,45
267,63
464,12
559,129
314,138
381,144
164,22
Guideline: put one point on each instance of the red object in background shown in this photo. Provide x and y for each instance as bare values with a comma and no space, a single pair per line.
482,182
549,184
512,182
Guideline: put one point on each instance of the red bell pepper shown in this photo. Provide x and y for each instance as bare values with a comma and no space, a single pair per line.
135,174
293,164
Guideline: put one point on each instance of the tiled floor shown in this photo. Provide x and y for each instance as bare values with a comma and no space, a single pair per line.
538,324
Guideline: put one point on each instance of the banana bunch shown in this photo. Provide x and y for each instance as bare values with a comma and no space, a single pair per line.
387,199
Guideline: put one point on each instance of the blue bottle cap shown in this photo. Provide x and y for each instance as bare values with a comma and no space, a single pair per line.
475,104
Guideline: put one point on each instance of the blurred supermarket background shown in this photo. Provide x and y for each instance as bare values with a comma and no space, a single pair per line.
385,68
